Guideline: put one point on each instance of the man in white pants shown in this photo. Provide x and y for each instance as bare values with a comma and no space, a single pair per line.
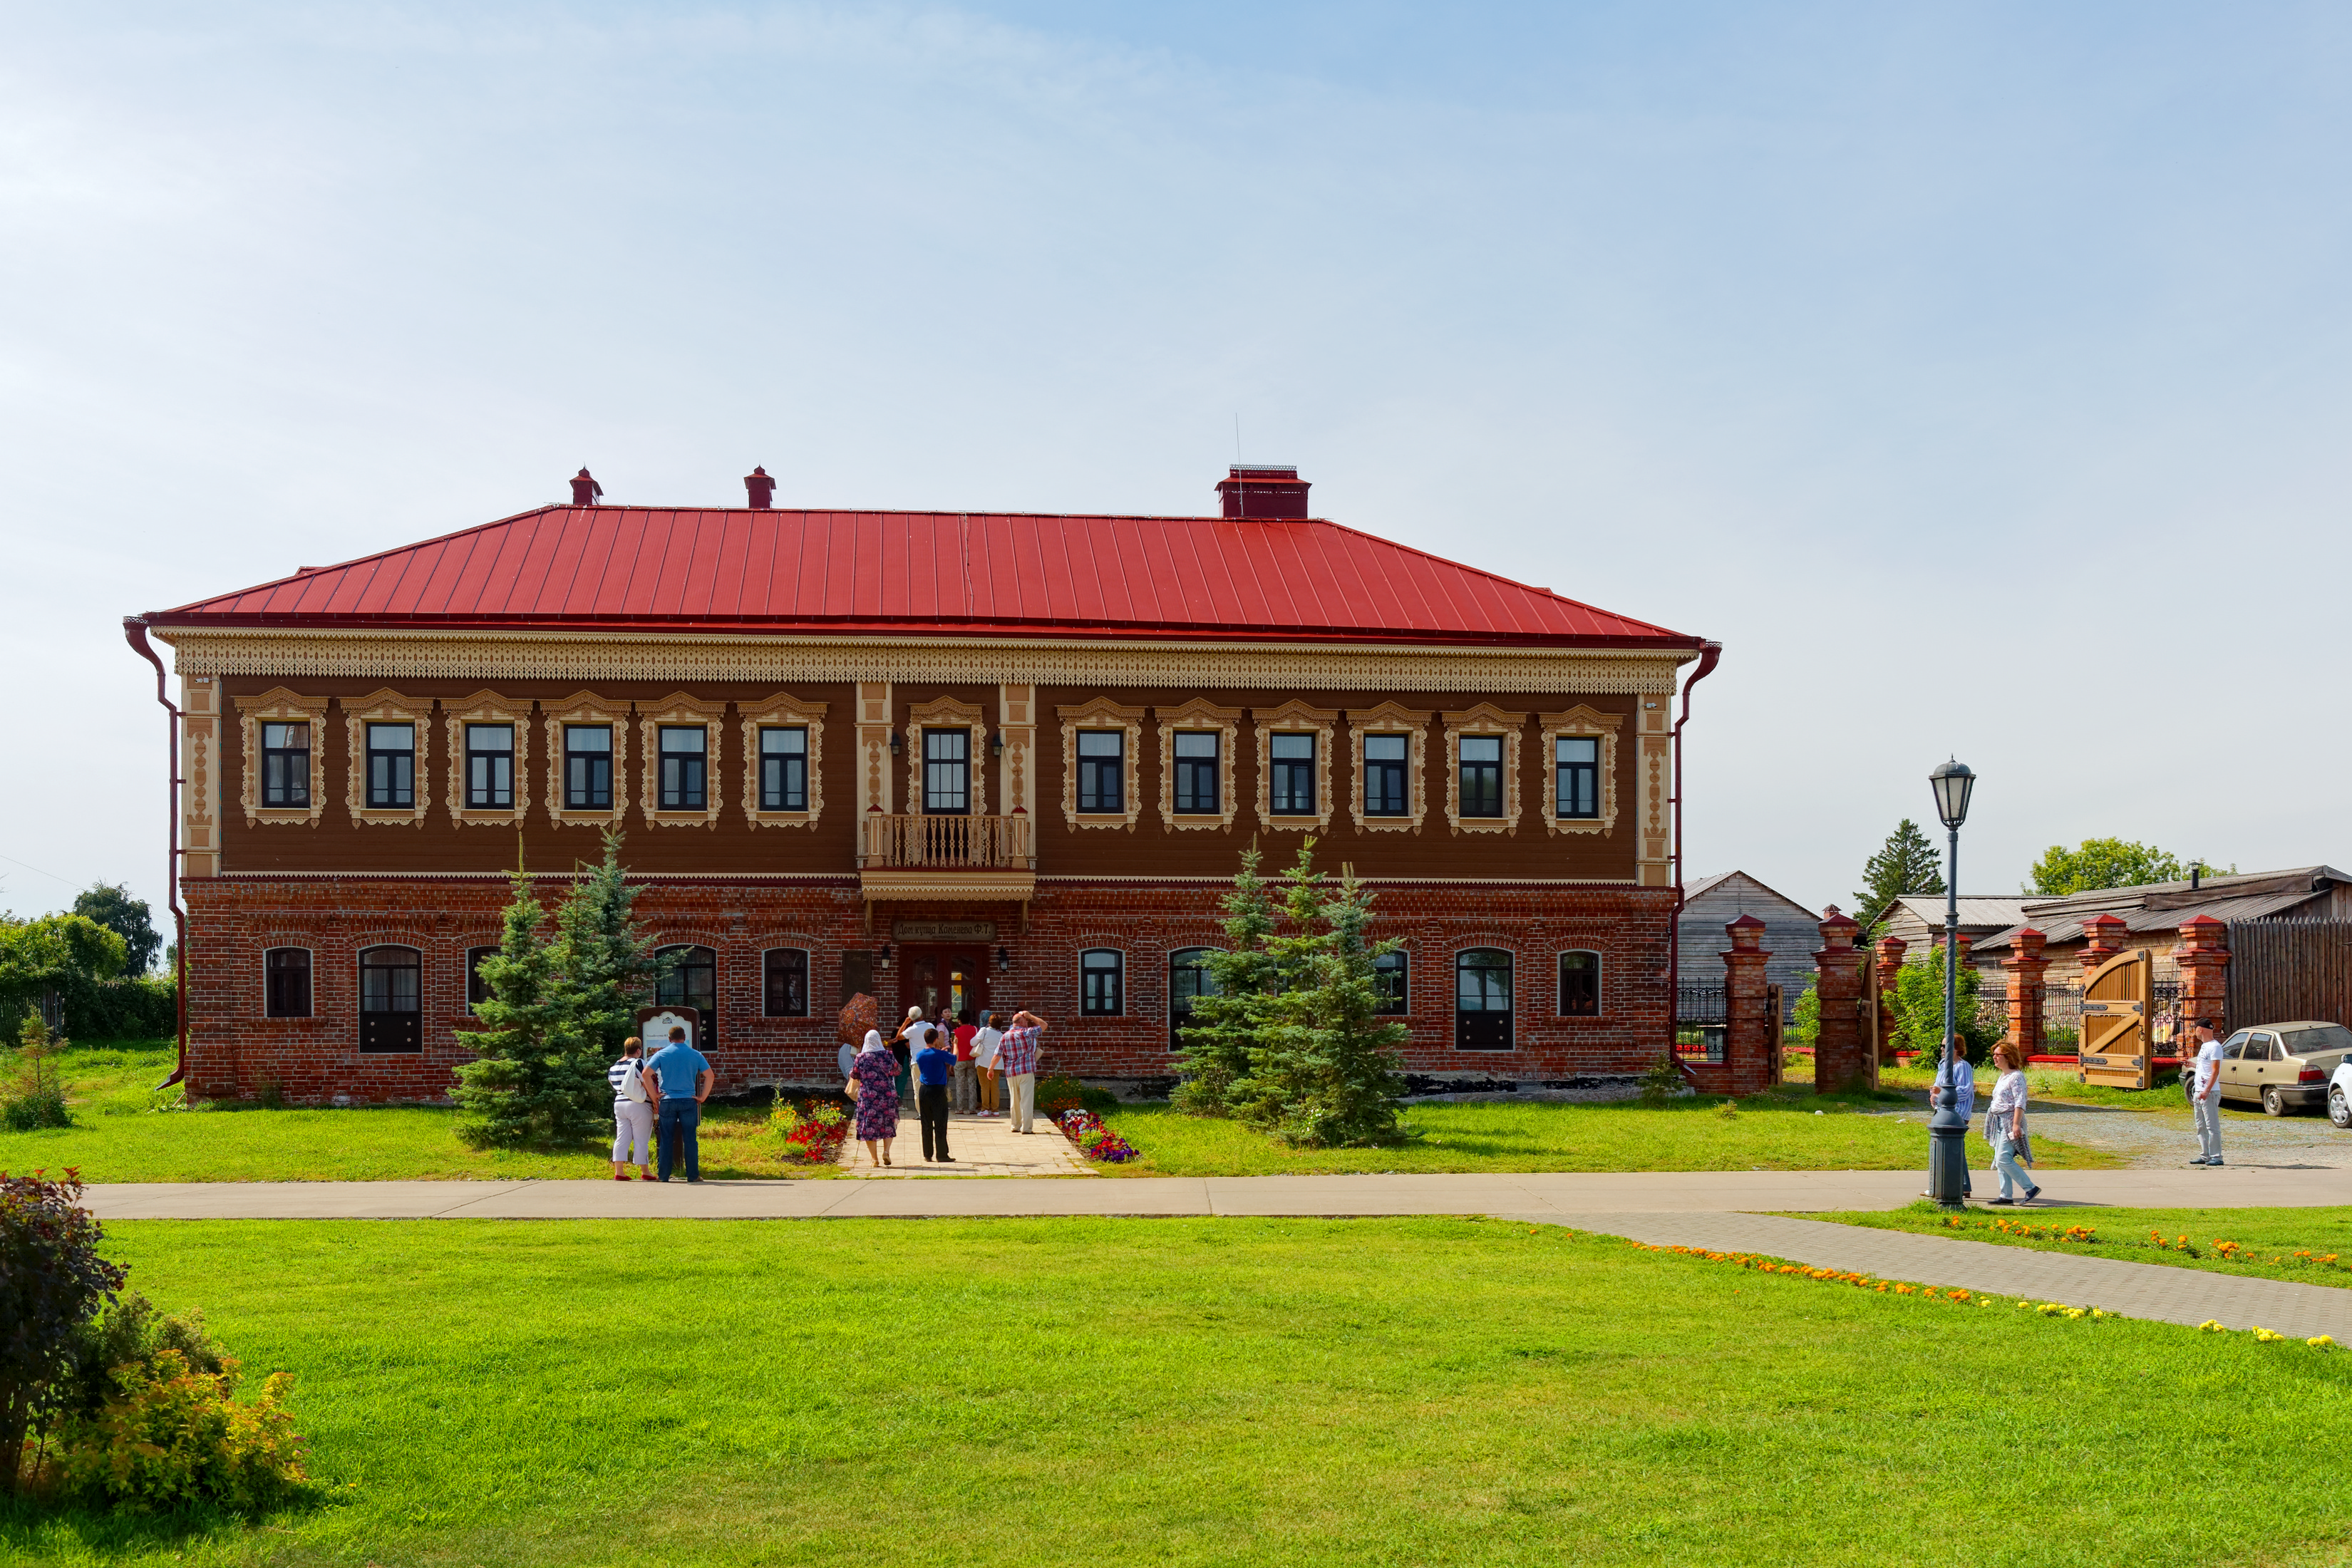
632,1112
2205,1099
1016,1056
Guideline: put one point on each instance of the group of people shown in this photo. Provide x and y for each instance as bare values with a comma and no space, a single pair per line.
2201,1077
658,1099
962,1070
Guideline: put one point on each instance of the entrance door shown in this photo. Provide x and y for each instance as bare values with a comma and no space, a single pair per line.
945,982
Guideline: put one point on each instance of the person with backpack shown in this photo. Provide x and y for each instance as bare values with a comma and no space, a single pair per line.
632,1112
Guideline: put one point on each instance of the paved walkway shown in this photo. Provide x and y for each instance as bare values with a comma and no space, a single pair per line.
2137,1289
2153,1139
983,1146
1552,1194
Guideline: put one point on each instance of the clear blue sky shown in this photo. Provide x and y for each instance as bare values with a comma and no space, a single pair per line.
1976,373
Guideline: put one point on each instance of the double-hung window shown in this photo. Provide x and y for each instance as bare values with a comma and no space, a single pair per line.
783,768
587,767
683,763
1102,974
1196,772
1384,776
1576,763
947,772
489,767
1102,770
285,764
1482,776
1294,776
390,767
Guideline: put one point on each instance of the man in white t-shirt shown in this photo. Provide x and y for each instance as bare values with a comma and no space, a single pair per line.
2205,1098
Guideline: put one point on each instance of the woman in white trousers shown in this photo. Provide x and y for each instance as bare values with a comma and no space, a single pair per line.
632,1112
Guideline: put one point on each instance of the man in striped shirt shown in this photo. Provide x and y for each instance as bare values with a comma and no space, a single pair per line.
1016,1058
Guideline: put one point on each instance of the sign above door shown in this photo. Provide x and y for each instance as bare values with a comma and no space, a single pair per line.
945,930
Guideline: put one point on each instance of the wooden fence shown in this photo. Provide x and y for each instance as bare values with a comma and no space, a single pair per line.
2281,970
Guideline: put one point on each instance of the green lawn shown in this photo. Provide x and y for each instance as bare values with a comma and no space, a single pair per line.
1769,1133
2053,1085
1192,1392
126,1131
2268,1239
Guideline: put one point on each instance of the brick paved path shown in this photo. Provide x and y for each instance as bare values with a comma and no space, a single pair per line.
983,1146
2137,1289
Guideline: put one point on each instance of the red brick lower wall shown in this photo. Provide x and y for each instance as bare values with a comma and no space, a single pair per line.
233,1051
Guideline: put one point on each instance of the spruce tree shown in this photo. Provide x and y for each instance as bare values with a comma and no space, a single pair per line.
607,961
1213,1050
518,1089
1324,1072
1905,863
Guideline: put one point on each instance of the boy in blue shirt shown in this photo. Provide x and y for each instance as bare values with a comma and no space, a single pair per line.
684,1077
934,1067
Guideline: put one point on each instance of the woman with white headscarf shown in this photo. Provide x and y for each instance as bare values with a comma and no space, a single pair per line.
873,1080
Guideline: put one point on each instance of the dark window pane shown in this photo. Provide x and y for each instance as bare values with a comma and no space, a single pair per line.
391,766
1579,984
489,766
1482,776
947,772
1189,980
1482,1000
286,765
1100,972
391,999
286,983
587,767
785,983
783,769
1293,784
1390,973
1384,776
1196,773
1102,770
690,978
1577,780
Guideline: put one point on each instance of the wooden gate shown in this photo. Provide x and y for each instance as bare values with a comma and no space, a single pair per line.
1866,1005
2118,1004
1774,1000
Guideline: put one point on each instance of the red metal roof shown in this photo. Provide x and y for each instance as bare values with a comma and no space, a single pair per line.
938,572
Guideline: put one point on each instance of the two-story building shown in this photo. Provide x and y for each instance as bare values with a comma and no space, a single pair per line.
957,759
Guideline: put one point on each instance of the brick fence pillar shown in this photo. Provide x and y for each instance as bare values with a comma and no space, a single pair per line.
1891,950
1837,1051
2203,956
1751,1033
2025,967
2099,933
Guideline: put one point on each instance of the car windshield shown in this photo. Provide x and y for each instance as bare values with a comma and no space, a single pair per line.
2312,1041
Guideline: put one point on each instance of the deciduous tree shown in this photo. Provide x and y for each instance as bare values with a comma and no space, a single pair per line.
111,906
2104,863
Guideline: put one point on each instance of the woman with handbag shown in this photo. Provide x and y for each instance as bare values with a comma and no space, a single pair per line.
2005,1126
874,1084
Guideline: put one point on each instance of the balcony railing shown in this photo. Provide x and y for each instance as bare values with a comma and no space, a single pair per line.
948,843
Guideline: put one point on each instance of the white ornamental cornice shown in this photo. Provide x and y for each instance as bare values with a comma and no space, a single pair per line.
296,653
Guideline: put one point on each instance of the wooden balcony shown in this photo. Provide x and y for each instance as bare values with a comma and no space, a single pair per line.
906,856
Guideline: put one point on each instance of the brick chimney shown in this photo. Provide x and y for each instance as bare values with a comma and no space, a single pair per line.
1267,491
761,489
584,488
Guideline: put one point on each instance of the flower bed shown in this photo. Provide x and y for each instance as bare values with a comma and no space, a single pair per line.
1095,1141
812,1131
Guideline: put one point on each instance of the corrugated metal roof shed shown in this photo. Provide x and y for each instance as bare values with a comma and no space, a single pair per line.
848,572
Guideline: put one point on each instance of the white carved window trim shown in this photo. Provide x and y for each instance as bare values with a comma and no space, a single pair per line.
1296,718
1579,722
387,707
781,710
685,712
1390,719
948,713
280,706
1102,714
486,708
1486,719
1202,715
586,708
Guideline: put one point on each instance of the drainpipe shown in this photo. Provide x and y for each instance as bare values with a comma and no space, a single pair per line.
1709,655
134,632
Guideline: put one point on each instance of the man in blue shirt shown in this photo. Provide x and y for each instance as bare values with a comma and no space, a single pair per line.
933,1064
684,1077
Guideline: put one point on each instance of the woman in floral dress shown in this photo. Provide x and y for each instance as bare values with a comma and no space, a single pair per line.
874,1076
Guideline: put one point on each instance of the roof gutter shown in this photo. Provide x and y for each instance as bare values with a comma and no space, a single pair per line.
134,632
1709,655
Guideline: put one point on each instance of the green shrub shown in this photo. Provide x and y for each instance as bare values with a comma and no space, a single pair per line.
174,1436
1663,1082
52,1282
34,1093
1059,1093
130,1332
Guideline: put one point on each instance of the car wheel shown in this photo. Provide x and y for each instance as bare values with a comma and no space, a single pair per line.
2339,1110
2274,1104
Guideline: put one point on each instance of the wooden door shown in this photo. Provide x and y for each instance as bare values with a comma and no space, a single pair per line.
2119,1005
945,982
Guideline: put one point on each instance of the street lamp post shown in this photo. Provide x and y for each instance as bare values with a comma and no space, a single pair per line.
1948,1129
